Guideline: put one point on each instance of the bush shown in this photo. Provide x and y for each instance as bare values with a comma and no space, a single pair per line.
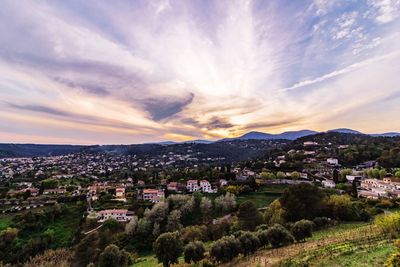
389,224
302,229
225,249
193,233
194,252
249,243
113,256
323,222
263,237
278,236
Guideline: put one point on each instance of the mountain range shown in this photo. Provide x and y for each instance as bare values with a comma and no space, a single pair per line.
291,135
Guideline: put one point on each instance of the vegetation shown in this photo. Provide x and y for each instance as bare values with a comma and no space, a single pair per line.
168,248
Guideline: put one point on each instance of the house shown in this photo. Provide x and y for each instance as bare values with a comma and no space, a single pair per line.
172,186
119,215
332,161
205,186
367,194
310,143
351,178
120,193
152,195
328,184
192,185
56,191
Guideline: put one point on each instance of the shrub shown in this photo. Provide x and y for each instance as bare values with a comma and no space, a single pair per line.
194,252
113,256
389,224
263,237
302,229
225,249
278,236
249,243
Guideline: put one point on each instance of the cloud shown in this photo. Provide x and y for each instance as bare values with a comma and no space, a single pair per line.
138,71
161,108
41,109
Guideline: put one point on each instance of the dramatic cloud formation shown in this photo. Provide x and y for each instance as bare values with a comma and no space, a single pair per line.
140,71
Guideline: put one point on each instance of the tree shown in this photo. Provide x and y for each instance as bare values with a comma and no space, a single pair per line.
295,175
226,203
302,201
131,226
206,208
345,172
249,216
335,176
267,176
225,249
87,250
158,212
193,233
174,221
397,174
302,229
280,175
168,248
194,252
249,243
277,236
263,237
113,256
382,173
111,224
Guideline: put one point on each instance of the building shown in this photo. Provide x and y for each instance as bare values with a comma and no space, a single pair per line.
152,195
328,184
120,193
57,191
172,186
205,186
192,185
119,215
332,161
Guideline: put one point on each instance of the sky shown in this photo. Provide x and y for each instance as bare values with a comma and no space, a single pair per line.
121,72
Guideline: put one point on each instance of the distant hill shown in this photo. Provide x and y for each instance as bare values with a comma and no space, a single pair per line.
345,130
290,135
33,150
390,134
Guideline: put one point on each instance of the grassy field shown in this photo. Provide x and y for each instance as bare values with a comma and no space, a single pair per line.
261,199
264,195
375,256
65,227
5,221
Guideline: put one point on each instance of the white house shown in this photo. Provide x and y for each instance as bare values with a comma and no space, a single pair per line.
332,161
119,215
328,183
205,186
192,185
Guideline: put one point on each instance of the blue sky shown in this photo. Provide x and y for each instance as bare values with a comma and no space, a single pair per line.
138,71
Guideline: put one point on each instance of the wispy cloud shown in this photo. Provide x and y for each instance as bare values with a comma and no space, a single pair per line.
144,71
